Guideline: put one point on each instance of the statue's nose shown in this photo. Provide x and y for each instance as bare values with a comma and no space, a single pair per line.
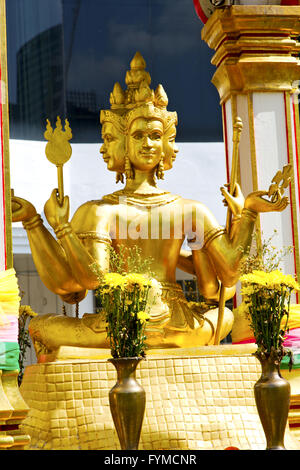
102,149
146,142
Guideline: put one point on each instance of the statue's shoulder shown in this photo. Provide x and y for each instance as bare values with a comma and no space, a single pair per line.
192,203
91,215
96,205
201,211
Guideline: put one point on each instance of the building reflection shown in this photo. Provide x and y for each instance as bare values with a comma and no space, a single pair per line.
40,82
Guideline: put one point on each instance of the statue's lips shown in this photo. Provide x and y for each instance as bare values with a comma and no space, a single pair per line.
148,156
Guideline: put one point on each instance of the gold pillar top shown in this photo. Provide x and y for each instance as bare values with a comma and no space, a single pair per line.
251,18
256,48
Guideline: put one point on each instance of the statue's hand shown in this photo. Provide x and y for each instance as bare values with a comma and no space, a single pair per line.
22,210
55,213
257,203
236,201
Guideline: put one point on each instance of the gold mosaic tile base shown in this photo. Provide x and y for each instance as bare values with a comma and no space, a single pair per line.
193,402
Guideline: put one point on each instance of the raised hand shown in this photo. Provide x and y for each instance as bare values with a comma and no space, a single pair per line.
22,210
235,201
55,213
256,202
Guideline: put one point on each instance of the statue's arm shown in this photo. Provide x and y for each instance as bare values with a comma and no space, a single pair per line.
226,253
66,265
80,240
49,257
197,263
185,262
226,250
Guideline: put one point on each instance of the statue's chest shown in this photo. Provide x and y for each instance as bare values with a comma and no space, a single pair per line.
154,222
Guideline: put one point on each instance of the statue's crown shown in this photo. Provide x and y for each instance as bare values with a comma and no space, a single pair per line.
138,100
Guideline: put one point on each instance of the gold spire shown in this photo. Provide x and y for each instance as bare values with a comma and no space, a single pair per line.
138,91
117,96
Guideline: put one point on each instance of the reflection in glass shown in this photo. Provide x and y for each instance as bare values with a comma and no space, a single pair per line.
65,55
40,81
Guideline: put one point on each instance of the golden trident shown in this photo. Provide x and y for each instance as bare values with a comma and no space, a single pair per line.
58,150
237,129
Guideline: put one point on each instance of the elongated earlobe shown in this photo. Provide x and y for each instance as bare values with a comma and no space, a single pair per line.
128,168
119,177
160,173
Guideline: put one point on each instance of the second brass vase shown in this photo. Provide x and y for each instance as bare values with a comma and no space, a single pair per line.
272,396
127,400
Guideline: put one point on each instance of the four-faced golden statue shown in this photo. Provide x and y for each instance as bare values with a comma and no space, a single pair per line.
139,145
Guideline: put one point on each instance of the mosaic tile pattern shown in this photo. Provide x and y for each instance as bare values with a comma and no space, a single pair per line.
192,403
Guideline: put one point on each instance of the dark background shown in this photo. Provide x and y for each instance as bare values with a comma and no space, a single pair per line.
64,57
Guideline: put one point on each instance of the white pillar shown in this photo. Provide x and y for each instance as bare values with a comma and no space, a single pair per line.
258,70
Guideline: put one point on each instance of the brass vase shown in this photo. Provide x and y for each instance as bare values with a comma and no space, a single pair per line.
272,397
127,400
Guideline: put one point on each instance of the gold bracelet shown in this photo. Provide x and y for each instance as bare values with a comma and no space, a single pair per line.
63,230
249,214
35,221
236,218
97,236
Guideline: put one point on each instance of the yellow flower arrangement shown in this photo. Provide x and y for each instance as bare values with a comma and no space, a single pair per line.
274,280
134,279
113,280
266,302
129,281
124,298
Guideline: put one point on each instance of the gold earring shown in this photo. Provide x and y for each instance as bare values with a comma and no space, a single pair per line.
128,168
119,177
160,169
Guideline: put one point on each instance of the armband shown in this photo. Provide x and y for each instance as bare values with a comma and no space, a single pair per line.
97,236
34,222
249,214
63,230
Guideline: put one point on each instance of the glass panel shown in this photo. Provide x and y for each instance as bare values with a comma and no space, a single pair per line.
65,56
35,65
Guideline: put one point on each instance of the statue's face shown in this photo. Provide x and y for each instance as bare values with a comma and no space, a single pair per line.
113,148
170,147
145,143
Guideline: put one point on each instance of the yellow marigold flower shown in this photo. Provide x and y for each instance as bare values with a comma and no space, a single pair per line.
113,280
143,316
248,289
27,310
274,280
133,279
